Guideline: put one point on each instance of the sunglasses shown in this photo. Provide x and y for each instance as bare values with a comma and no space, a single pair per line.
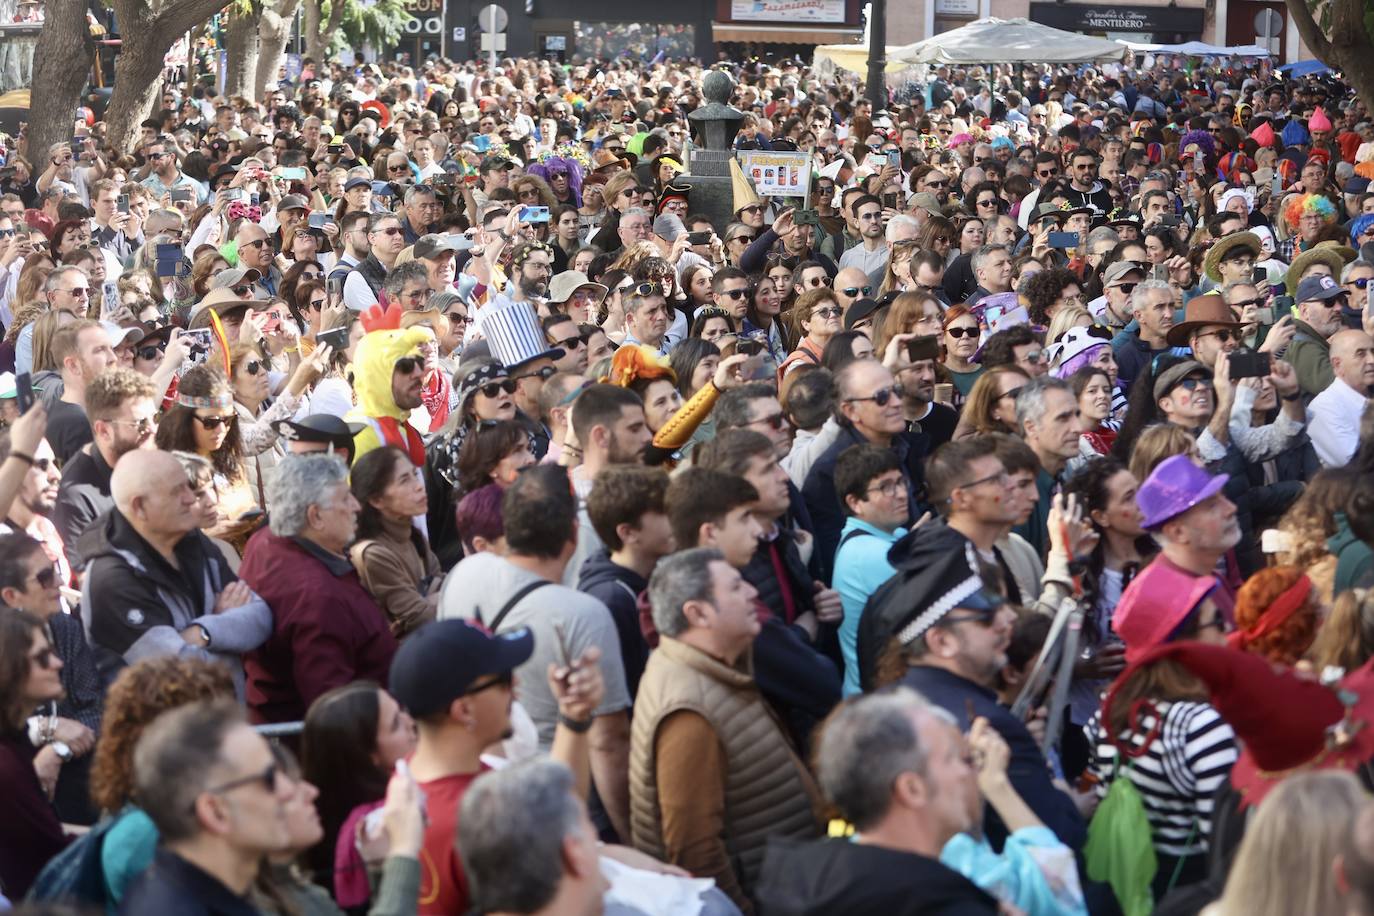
215,422
629,192
773,421
262,242
816,282
1193,384
882,396
752,208
571,343
390,230
743,238
505,679
1225,335
1362,282
267,778
457,318
492,389
408,364
957,333
253,366
853,292
149,353
544,373
647,289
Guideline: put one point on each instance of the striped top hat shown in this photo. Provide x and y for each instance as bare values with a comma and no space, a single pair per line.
512,329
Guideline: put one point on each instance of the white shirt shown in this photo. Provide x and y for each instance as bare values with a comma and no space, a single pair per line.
1333,423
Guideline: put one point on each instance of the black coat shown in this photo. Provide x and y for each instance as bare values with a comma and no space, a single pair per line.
839,878
175,887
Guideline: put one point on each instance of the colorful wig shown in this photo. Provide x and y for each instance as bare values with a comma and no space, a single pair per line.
1358,225
1308,203
629,364
565,158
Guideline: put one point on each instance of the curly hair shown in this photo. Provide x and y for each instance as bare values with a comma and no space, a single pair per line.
1043,289
1291,639
1298,204
141,693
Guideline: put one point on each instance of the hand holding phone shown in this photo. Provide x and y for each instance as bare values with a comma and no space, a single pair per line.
23,384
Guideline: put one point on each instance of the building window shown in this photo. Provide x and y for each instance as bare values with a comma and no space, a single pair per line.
637,39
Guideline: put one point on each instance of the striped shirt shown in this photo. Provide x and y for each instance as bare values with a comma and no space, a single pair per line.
1177,776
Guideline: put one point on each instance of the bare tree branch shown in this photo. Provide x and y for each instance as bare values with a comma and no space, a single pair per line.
1309,30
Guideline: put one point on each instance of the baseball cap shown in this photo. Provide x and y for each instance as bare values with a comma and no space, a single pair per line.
292,202
233,276
1119,270
352,183
859,310
433,243
1320,288
441,660
492,163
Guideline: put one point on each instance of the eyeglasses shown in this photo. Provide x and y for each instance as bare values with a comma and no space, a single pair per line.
1193,384
492,389
958,332
253,366
390,230
144,425
544,373
258,243
79,292
881,396
1011,393
1224,335
988,202
457,318
938,184
505,679
148,353
1126,288
1361,283
743,237
773,421
828,312
647,289
215,422
266,777
853,292
1001,478
408,364
752,208
816,282
891,488
571,343
629,192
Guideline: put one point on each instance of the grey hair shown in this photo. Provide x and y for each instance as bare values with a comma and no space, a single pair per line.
1141,294
443,299
1350,268
511,829
418,190
867,743
301,481
55,278
174,760
901,219
679,578
1031,401
402,274
638,211
1231,287
1103,234
980,257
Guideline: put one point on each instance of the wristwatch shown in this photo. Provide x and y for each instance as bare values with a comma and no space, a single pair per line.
63,752
204,634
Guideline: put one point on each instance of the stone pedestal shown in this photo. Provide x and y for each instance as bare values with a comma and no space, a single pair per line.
714,126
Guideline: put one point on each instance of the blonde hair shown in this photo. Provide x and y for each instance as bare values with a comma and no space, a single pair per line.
1284,863
1066,318
1163,440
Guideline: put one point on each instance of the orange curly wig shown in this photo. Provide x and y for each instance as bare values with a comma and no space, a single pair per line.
1289,640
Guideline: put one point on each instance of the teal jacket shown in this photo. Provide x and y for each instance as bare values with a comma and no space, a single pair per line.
1354,559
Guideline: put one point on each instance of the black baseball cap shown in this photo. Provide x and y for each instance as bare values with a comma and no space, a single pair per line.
439,662
859,309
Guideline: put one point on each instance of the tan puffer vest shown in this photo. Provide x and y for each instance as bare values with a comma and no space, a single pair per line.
768,791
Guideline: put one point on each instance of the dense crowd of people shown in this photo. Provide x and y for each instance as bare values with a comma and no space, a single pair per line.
415,501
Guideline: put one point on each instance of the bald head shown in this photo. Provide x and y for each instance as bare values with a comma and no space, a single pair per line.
140,473
1352,359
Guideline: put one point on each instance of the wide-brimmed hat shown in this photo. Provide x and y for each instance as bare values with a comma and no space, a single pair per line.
604,159
1155,604
563,285
1331,254
1287,722
515,335
1175,486
1047,210
1220,251
1200,312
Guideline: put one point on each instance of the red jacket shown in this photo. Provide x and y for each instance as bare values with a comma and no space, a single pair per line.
326,631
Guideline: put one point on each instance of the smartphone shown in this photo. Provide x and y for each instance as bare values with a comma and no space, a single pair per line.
534,214
1169,220
180,195
1276,188
23,384
806,218
317,220
123,204
235,195
169,252
334,287
1259,276
699,238
944,392
254,199
894,159
1198,165
1264,314
1248,364
198,342
748,347
890,201
335,337
293,174
923,348
1063,239
334,149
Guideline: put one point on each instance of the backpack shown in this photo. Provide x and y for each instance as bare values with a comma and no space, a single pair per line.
1120,849
75,875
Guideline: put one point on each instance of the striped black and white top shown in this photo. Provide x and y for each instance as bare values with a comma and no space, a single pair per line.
1177,776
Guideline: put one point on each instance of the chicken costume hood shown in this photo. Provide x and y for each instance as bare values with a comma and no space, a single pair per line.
374,362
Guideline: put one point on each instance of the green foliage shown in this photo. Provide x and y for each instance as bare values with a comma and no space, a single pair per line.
380,24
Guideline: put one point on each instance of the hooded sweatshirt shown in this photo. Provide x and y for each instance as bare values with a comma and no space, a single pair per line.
619,587
374,362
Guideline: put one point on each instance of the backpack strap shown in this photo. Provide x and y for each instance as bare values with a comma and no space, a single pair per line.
850,535
506,608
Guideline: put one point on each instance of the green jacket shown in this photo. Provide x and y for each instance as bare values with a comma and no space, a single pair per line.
1310,356
1354,559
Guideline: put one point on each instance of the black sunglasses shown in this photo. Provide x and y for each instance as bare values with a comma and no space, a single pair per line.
956,333
505,679
572,343
881,396
408,364
215,422
492,389
149,353
267,778
545,373
253,366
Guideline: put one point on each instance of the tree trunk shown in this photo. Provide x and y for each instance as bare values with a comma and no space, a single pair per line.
274,31
61,62
242,47
319,32
1348,47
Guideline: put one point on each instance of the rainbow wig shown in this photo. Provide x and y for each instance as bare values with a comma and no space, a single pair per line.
1308,203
